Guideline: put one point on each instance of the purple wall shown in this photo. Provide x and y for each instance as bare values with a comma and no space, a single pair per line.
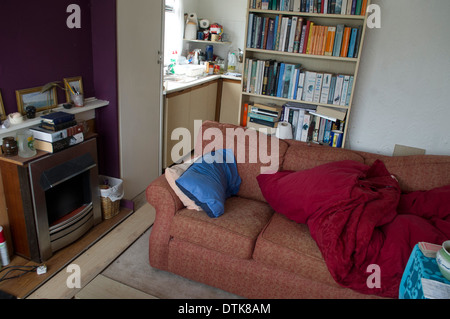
104,51
37,47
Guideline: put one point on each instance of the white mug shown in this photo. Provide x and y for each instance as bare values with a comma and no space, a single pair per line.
15,118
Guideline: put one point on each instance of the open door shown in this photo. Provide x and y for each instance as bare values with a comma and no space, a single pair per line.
140,45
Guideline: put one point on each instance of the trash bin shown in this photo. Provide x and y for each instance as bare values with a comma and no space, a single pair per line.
111,192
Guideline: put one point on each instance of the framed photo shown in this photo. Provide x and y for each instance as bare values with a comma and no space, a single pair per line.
73,85
2,109
41,101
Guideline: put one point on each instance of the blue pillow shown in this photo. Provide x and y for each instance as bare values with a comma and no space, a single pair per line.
210,180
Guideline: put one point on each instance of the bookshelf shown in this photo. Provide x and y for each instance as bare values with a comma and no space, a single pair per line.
306,50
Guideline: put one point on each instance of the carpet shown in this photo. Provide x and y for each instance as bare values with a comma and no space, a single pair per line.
133,269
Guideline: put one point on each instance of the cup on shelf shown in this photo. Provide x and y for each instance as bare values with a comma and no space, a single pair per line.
78,100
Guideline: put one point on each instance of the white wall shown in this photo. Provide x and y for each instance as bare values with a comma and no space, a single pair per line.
403,90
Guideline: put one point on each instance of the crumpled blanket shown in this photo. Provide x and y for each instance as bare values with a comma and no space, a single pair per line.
363,224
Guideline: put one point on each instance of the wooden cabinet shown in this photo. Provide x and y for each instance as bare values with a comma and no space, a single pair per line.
230,102
181,110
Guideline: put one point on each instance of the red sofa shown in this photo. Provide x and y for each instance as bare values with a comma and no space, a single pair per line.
253,251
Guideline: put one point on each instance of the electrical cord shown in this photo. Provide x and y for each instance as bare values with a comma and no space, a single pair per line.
24,269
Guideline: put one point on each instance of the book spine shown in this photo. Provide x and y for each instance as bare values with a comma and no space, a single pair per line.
262,117
344,90
262,122
325,88
61,119
244,115
318,88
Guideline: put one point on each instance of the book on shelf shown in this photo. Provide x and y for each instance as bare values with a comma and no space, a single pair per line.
291,81
263,116
53,147
57,117
342,7
294,34
263,128
331,113
57,127
309,124
53,136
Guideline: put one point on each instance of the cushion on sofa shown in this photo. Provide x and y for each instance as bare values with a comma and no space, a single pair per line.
289,246
302,156
234,233
210,180
172,174
244,143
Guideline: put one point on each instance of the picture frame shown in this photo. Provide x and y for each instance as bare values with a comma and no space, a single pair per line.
2,108
41,101
74,82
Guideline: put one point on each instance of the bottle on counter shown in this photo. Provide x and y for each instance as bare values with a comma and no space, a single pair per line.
232,62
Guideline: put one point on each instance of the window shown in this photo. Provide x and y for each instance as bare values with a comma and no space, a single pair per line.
174,28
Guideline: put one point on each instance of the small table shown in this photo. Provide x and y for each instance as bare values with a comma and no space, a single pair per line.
419,266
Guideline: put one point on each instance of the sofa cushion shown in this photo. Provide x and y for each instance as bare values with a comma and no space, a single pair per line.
250,157
289,246
172,174
234,233
210,180
417,172
302,156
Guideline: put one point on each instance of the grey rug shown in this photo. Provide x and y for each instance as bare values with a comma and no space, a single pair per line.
132,268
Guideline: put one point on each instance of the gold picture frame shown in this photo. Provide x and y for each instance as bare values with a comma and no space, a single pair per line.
73,83
41,101
2,108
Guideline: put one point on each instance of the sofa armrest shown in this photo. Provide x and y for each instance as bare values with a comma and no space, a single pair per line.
166,203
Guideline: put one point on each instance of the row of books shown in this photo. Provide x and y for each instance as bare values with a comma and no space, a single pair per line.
299,35
345,7
57,131
309,123
291,81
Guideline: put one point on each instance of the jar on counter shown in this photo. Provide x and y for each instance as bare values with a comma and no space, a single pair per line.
9,146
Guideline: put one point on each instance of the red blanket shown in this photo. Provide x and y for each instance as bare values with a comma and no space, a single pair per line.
363,224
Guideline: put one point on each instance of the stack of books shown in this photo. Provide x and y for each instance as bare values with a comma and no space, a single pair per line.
263,116
57,131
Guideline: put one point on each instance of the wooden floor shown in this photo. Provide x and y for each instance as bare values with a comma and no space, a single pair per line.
33,285
102,287
94,260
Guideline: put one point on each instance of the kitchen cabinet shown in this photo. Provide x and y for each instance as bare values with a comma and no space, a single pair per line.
230,102
181,109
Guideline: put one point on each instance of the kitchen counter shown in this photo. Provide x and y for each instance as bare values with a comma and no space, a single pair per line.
175,86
